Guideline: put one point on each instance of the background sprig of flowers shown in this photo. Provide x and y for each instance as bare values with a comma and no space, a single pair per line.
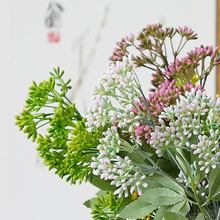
154,156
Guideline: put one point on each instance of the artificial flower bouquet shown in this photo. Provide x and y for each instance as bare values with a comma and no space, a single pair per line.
153,156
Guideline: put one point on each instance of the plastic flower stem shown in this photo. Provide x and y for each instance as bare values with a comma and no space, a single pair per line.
165,48
160,171
186,166
68,100
141,152
152,63
153,56
204,82
57,96
203,65
171,43
149,67
206,74
40,115
43,124
197,72
49,106
182,47
180,168
202,209
202,70
175,161
144,98
218,215
145,169
178,48
164,58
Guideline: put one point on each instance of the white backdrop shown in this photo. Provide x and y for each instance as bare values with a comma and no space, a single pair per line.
88,35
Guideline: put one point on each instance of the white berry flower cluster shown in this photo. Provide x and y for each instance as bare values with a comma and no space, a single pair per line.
191,124
99,114
202,188
120,171
182,178
114,97
208,150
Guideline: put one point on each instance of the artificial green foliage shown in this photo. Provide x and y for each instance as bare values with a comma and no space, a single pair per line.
46,103
101,184
138,209
153,156
181,208
106,207
163,196
199,217
163,181
69,158
81,148
165,213
172,215
160,212
55,124
150,201
214,185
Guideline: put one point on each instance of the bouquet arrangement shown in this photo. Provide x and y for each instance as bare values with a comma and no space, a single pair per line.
154,156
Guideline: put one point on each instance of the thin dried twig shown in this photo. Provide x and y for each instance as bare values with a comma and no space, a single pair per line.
84,64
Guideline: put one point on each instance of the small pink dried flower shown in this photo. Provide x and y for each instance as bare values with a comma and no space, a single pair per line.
187,32
121,49
165,95
143,132
202,52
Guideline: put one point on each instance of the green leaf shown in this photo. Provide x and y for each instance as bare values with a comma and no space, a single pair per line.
161,196
200,217
214,185
101,184
161,212
184,164
172,216
106,206
151,200
181,208
91,202
168,167
137,209
168,183
138,157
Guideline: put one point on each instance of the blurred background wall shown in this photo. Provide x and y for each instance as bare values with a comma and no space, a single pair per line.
87,32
